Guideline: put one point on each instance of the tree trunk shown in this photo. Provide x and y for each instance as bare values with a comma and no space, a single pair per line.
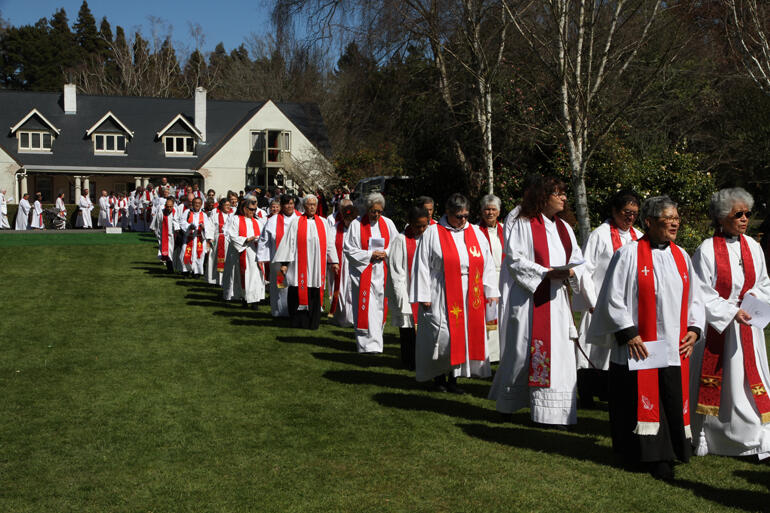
581,197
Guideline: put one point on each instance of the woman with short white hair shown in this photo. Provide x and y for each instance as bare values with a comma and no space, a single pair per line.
730,374
493,231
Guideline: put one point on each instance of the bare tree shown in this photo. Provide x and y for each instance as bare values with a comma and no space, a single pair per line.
588,48
749,27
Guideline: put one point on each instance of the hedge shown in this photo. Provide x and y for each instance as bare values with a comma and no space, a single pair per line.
72,212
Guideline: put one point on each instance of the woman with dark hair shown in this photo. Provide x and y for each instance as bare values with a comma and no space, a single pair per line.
242,277
601,245
220,218
538,367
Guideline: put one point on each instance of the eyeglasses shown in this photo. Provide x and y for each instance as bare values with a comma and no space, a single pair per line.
559,193
742,213
378,212
461,216
250,209
630,213
671,219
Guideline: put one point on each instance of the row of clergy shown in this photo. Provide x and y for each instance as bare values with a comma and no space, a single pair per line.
448,282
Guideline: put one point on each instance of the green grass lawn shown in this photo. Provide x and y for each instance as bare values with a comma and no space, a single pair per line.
127,389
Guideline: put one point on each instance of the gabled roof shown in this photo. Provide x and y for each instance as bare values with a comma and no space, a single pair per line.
114,119
180,118
34,112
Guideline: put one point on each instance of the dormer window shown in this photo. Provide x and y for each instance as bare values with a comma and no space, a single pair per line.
178,144
179,137
109,143
35,141
109,135
35,133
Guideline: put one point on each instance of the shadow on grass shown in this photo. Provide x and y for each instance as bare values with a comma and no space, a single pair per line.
381,379
747,500
360,360
756,476
553,442
437,403
158,272
325,342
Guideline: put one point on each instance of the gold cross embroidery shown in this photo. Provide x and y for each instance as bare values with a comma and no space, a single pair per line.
456,311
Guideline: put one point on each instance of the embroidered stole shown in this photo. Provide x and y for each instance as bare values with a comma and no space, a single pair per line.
196,237
221,243
164,231
713,355
244,232
540,345
458,308
648,393
365,283
411,247
302,261
338,239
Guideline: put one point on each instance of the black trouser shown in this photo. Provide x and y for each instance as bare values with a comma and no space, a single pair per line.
408,338
590,383
308,319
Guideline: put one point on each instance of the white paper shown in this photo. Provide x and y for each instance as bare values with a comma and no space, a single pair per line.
568,266
376,243
657,357
758,310
491,312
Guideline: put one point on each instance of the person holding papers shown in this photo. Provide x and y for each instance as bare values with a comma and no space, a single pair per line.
730,377
538,367
651,301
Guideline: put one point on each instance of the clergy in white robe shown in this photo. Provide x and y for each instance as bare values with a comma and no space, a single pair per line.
243,278
147,199
37,213
215,264
61,210
85,206
121,212
197,230
104,211
366,247
22,213
730,378
453,281
538,367
493,231
4,225
651,301
338,283
275,230
303,255
400,265
594,359
165,226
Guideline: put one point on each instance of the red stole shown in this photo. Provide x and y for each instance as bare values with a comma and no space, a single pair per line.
164,231
475,303
365,285
648,400
221,243
499,237
196,237
243,232
340,228
302,262
411,247
280,279
540,345
713,354
615,236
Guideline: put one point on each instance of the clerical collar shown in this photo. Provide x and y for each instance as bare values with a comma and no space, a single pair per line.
445,223
661,245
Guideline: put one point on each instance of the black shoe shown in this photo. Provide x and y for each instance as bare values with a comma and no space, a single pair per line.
662,470
439,384
452,387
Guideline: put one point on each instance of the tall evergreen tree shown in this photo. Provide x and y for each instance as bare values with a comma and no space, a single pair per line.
105,39
86,35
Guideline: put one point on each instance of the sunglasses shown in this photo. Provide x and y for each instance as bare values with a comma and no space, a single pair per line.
742,213
461,216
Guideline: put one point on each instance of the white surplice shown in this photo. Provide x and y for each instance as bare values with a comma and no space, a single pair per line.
196,227
279,305
104,212
4,225
83,219
61,209
506,281
343,315
22,215
37,216
738,430
597,253
433,344
556,404
288,252
213,276
231,277
496,248
399,280
368,341
172,226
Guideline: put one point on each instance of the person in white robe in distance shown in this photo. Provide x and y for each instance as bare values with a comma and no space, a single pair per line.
198,232
4,225
85,206
338,283
37,222
493,231
243,278
165,226
275,230
22,213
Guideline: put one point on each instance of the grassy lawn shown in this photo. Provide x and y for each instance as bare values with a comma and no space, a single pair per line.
127,389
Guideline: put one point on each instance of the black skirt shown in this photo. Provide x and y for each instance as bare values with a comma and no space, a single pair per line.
308,319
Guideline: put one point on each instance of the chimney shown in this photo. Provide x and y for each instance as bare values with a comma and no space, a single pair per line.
70,99
200,111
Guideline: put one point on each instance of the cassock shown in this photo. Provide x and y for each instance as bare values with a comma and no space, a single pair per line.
37,216
403,313
84,215
197,229
242,277
22,215
165,227
4,213
104,212
369,301
306,248
506,281
215,262
340,291
496,241
538,367
599,249
649,423
453,271
729,375
272,235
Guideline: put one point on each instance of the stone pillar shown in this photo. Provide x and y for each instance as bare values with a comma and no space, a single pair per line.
23,186
77,190
145,181
137,182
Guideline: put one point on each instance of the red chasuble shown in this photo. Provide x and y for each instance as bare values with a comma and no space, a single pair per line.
366,277
648,396
458,308
540,345
280,279
197,237
713,355
411,247
302,263
615,236
221,243
338,239
243,232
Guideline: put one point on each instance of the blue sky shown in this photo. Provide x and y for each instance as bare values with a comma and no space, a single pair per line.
229,21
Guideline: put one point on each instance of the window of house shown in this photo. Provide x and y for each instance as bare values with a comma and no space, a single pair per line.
110,143
35,141
178,144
